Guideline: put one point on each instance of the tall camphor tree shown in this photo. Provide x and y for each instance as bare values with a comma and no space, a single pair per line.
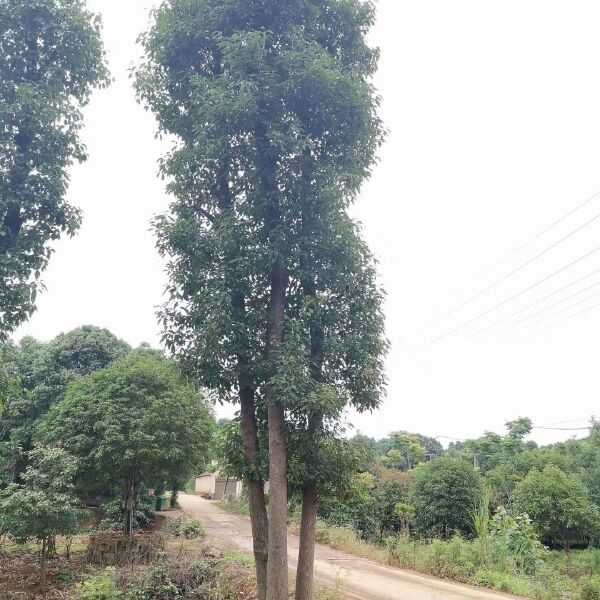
275,118
52,58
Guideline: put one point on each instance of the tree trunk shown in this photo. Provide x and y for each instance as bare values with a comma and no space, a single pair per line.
306,554
256,489
43,563
277,565
129,500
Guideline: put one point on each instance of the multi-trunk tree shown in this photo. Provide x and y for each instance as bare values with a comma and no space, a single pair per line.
273,295
52,58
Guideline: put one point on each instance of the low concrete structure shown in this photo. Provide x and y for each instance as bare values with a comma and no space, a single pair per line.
215,487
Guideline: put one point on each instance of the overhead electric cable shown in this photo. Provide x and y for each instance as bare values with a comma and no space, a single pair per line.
586,418
504,302
563,428
541,233
547,297
557,312
567,318
519,268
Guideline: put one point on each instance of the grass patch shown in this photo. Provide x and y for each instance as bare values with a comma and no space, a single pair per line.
459,560
239,558
238,508
64,546
346,540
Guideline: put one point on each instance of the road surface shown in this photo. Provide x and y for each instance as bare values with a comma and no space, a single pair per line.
357,578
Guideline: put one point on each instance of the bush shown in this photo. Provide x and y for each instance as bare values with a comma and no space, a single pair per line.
444,494
590,589
182,527
114,510
177,579
513,537
98,587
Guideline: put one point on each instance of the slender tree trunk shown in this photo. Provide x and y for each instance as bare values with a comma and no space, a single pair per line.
254,481
129,500
256,489
277,566
306,554
43,564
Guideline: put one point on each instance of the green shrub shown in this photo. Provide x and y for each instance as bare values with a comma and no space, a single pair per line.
192,529
590,589
443,495
182,527
99,587
114,510
513,537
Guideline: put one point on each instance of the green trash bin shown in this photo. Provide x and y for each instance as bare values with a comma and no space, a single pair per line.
162,503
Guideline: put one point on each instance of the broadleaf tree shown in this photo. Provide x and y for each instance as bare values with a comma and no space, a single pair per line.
134,423
45,504
273,295
39,374
52,58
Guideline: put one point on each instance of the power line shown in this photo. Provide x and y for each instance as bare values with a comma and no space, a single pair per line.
567,318
541,233
586,418
547,297
564,428
504,302
520,267
556,312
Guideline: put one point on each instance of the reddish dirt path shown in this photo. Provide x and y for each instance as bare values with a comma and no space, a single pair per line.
357,577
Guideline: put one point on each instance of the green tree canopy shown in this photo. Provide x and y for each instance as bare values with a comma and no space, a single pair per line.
45,504
558,505
273,294
52,58
135,422
444,494
406,452
39,376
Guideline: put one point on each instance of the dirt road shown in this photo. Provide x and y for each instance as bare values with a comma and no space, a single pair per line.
357,577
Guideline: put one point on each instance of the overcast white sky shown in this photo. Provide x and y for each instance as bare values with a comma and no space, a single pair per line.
493,111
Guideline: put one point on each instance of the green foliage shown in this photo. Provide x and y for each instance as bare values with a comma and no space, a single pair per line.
114,511
44,505
432,446
52,59
558,505
169,580
135,422
99,587
444,494
405,453
590,590
183,527
493,450
37,376
513,536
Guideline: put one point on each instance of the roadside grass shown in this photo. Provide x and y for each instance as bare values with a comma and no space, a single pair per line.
64,546
238,508
239,558
345,540
459,560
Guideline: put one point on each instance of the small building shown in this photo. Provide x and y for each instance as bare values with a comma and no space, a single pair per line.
216,487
